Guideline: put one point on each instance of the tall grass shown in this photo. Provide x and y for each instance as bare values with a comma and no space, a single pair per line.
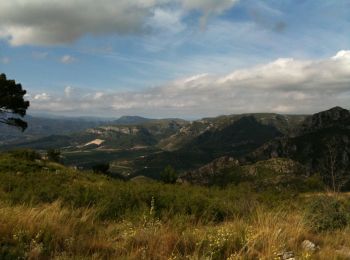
51,212
52,231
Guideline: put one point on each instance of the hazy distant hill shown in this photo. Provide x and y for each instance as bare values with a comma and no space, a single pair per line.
41,127
111,135
285,124
51,129
131,120
146,146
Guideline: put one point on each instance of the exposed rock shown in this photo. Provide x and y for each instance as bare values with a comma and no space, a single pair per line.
285,166
95,142
335,116
309,246
225,170
204,174
311,145
289,255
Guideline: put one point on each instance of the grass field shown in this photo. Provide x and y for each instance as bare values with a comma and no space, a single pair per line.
48,211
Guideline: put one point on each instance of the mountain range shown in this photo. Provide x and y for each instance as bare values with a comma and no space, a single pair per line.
142,146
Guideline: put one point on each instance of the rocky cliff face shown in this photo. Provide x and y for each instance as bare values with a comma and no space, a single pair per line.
321,138
312,143
335,117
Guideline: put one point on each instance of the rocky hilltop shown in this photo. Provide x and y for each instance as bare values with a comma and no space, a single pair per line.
208,172
276,172
322,144
335,117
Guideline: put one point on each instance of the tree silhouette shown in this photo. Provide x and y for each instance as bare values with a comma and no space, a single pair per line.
12,103
335,173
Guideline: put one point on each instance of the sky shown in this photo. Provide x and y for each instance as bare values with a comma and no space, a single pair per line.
177,58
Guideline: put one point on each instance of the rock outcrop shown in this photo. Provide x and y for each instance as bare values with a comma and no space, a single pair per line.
204,174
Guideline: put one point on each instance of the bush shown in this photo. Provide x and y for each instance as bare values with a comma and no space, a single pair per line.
325,214
25,154
168,175
101,168
54,155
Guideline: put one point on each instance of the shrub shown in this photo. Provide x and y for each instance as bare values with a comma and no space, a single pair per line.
25,154
101,168
53,155
168,175
325,214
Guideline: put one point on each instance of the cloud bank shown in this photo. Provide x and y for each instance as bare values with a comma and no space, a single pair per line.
52,22
285,85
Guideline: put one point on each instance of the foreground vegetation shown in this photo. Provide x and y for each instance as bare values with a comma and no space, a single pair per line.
48,211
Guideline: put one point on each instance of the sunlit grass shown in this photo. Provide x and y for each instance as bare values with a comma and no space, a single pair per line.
50,212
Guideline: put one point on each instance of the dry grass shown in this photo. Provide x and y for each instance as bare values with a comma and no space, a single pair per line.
52,231
46,229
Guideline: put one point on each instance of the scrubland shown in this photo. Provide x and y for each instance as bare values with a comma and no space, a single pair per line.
48,211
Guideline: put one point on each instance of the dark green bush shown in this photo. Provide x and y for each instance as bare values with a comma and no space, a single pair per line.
100,168
25,154
168,175
54,155
325,214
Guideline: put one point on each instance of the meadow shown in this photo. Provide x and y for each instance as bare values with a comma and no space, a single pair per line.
49,211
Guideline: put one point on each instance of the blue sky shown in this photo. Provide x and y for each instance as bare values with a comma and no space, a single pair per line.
165,58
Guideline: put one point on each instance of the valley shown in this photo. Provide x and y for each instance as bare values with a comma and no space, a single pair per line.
136,146
174,130
231,187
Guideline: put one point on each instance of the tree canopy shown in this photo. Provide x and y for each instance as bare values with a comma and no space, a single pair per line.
12,103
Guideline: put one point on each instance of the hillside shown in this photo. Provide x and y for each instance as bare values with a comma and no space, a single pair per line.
114,136
39,127
146,146
277,172
285,124
322,137
207,140
48,211
131,120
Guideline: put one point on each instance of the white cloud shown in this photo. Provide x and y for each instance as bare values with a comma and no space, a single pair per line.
67,59
165,20
283,86
98,95
344,54
42,97
52,22
68,91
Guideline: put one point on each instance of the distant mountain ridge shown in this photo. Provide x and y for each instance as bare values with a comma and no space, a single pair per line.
317,137
112,135
39,127
202,141
334,117
187,146
131,120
